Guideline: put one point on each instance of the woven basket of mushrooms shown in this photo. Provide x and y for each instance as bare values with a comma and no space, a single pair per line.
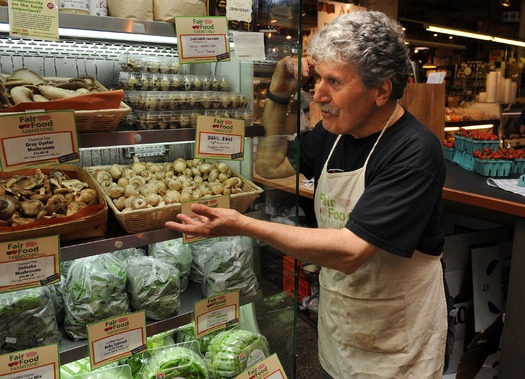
144,195
44,201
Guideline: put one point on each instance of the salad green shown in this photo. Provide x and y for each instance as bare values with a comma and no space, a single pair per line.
175,362
153,286
233,351
175,253
95,289
27,319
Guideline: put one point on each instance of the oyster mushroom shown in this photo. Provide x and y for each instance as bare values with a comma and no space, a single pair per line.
31,208
74,207
8,206
74,185
87,195
57,204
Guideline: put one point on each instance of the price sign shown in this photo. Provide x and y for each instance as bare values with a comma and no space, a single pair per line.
116,338
220,138
216,312
36,363
269,368
31,139
202,39
29,263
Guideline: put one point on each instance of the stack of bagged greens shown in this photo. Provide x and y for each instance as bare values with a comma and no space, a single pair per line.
174,361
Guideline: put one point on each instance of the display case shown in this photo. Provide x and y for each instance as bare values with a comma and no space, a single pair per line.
100,56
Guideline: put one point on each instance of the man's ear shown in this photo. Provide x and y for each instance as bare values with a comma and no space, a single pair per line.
383,92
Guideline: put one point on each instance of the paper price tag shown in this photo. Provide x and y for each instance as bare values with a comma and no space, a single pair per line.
35,19
202,39
216,312
116,338
36,363
29,263
31,139
269,368
220,138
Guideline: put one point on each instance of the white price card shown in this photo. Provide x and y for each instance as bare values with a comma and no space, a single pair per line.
116,338
269,368
35,363
29,263
202,39
220,138
216,312
30,139
34,19
220,201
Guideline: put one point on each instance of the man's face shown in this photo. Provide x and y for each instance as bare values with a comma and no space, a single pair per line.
346,105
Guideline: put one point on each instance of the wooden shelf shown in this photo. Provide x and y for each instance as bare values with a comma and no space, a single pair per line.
291,184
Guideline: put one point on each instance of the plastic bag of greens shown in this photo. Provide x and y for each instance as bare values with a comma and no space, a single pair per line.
176,254
202,251
56,295
233,351
95,289
230,269
127,255
27,319
175,361
153,286
186,333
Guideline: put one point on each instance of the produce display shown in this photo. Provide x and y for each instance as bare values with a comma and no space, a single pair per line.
143,185
173,362
27,319
153,286
24,86
26,198
95,289
82,366
232,351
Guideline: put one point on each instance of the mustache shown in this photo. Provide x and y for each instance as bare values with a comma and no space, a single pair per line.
326,107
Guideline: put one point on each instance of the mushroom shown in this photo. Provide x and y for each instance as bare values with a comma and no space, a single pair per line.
31,208
8,206
74,207
74,185
57,204
87,195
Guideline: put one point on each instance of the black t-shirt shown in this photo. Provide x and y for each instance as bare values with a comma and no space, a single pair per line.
400,210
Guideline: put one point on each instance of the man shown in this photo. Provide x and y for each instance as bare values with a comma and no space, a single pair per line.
379,175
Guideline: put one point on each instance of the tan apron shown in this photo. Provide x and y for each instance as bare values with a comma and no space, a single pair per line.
386,320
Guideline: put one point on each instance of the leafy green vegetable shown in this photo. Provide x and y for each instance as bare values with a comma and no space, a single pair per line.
128,255
233,351
186,333
175,253
81,366
111,372
27,319
95,289
230,268
175,362
153,286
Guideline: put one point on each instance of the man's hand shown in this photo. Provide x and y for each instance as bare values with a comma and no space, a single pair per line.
209,222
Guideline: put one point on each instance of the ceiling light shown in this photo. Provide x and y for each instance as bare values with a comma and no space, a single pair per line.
509,41
461,33
504,3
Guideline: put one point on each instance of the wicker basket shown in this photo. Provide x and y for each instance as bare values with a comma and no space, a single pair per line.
144,220
88,223
103,120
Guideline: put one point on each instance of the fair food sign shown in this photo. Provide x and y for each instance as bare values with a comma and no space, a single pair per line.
31,139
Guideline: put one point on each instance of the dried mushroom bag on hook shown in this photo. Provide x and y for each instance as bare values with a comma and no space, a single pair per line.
165,10
138,9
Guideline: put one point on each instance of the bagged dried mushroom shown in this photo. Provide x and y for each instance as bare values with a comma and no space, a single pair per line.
28,198
144,185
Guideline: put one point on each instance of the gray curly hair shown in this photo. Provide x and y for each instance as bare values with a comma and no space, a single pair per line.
371,41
